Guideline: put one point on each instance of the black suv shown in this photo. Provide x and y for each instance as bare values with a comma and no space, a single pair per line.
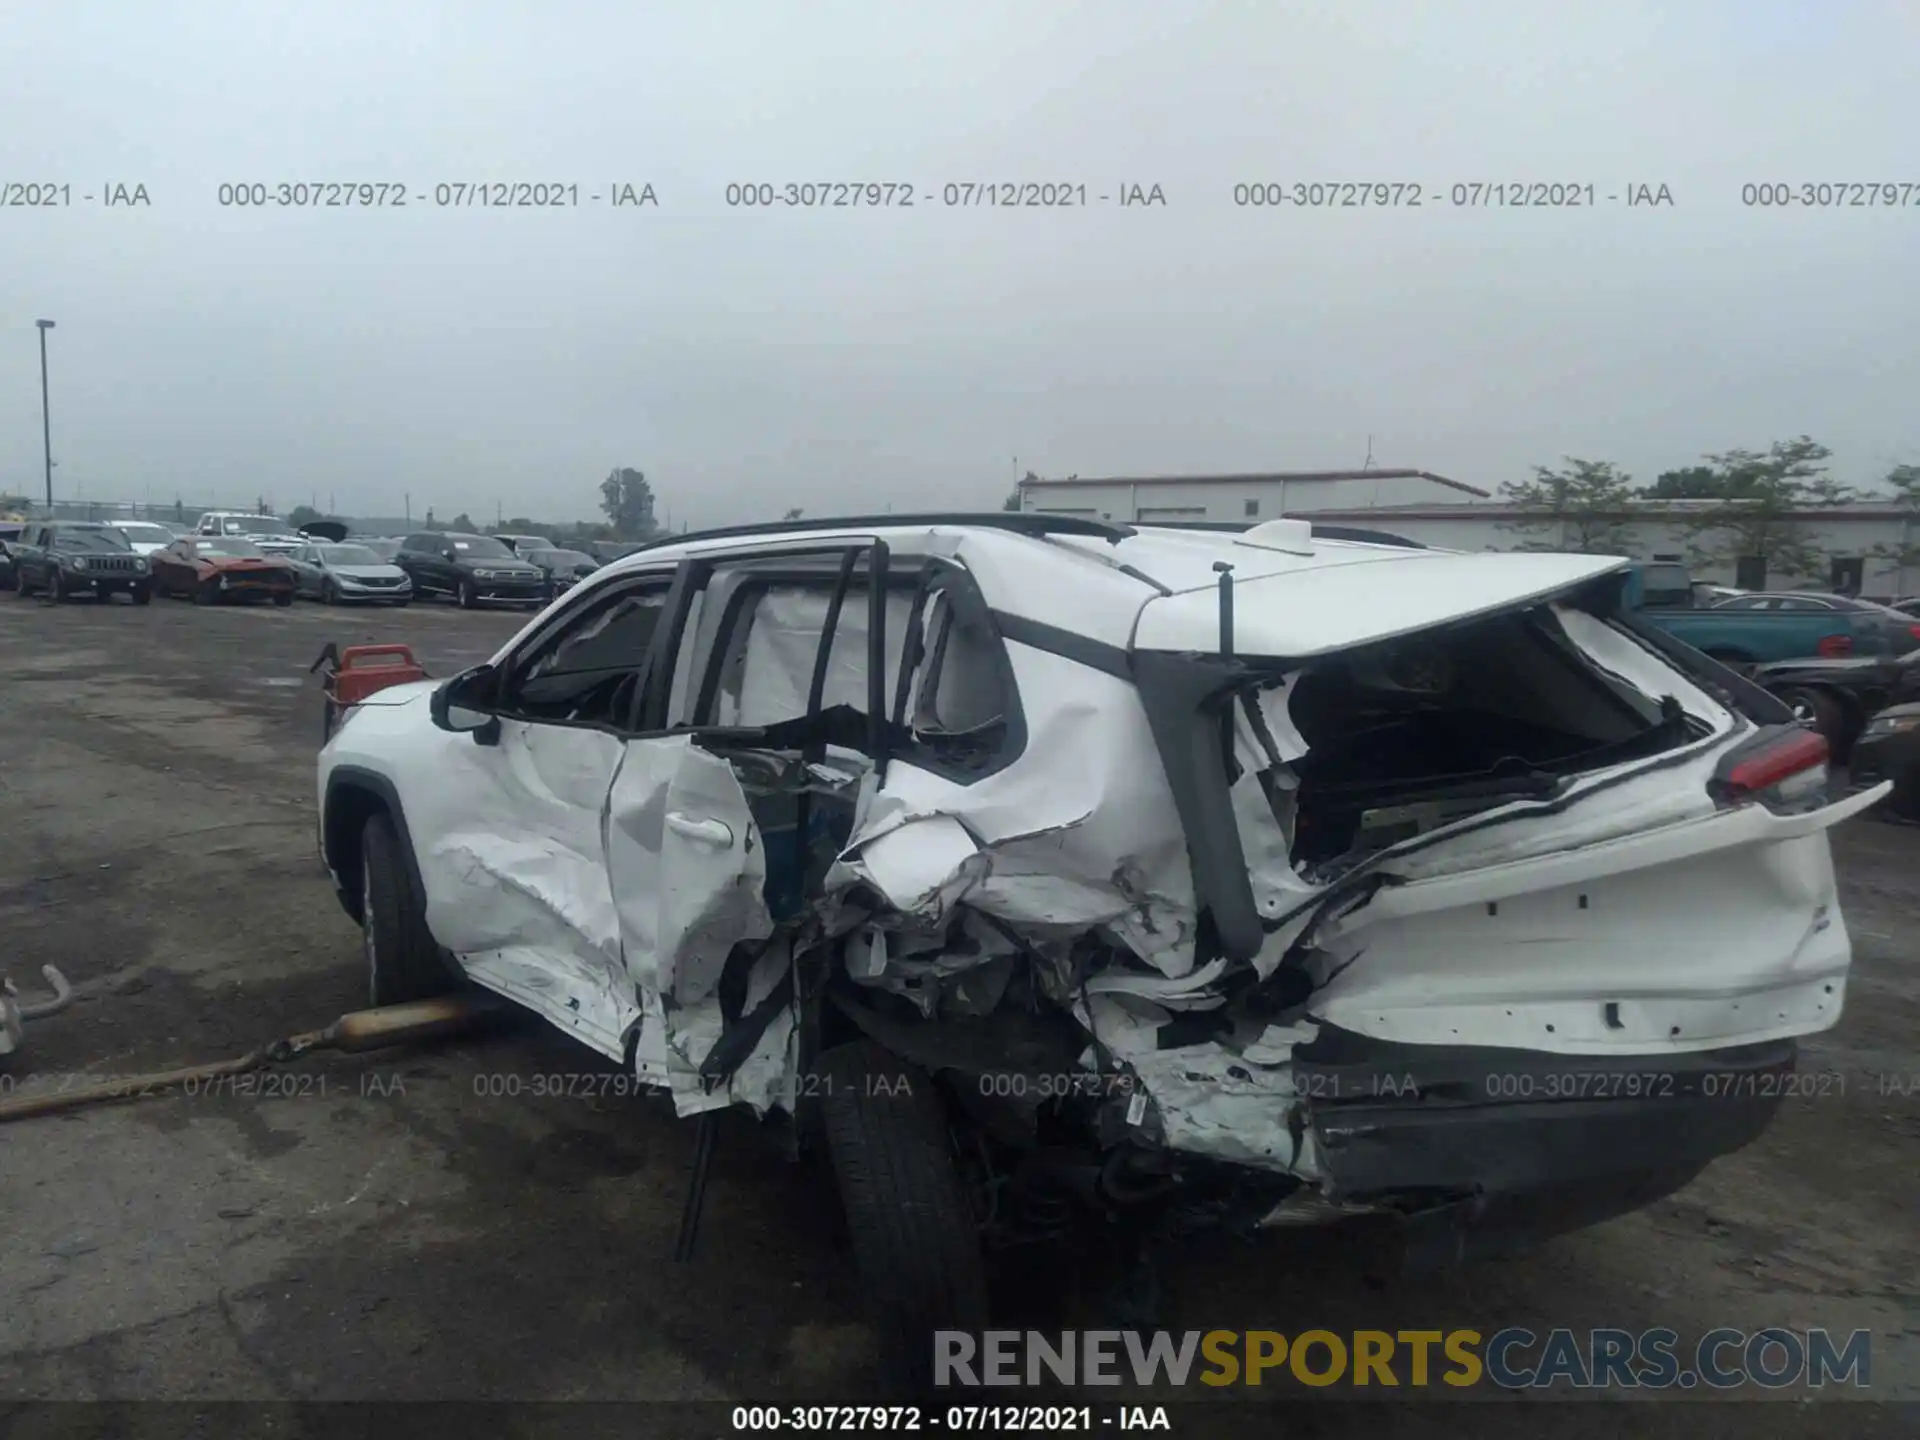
67,558
471,568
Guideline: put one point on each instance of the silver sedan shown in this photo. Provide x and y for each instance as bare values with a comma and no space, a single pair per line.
340,573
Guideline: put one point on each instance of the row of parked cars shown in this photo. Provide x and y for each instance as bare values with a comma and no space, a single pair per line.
231,557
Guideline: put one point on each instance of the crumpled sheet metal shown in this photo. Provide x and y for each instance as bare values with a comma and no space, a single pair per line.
1207,1099
1053,869
543,899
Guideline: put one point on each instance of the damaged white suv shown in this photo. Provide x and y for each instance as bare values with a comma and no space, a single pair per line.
1278,875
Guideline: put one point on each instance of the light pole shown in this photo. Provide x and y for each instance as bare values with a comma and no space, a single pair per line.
46,418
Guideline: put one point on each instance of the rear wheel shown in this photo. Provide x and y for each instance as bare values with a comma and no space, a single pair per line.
284,598
20,585
469,597
328,595
1818,709
403,962
915,1245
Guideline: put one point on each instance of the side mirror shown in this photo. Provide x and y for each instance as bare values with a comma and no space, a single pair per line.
463,706
449,552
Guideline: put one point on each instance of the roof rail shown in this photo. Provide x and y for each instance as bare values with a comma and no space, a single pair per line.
1017,521
1352,533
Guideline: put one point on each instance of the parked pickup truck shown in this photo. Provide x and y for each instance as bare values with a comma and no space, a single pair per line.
1664,593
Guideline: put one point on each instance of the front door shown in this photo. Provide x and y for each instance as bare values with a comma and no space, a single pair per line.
516,871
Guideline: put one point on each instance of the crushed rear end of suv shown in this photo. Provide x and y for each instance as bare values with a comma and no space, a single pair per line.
1065,871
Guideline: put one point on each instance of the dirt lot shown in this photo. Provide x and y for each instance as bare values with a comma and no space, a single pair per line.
409,1228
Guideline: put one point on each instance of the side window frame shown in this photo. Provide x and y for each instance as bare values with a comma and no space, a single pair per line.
583,607
937,574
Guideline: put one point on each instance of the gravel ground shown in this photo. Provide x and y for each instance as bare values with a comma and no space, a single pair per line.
421,1226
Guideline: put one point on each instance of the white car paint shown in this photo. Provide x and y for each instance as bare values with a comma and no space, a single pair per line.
603,881
137,537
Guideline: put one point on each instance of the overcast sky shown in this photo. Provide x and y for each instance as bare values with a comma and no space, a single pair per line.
749,361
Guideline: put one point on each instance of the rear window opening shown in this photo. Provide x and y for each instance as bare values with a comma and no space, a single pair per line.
1408,736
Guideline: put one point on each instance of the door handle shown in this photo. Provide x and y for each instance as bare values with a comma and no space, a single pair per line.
716,833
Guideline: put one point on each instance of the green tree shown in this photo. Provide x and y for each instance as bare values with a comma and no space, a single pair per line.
1764,497
793,514
1904,553
1695,482
1904,481
303,515
1585,508
1012,502
462,524
626,499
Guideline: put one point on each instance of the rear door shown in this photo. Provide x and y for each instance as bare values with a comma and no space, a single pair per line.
173,571
768,718
419,556
305,564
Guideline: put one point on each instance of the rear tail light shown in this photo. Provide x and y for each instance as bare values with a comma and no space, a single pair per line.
1914,630
1835,645
1784,767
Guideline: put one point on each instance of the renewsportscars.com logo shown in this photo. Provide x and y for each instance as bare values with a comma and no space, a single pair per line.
1512,1359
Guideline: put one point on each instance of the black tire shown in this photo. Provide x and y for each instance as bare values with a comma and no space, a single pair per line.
142,594
20,585
1905,799
469,597
403,962
283,599
328,595
59,588
915,1245
1819,709
206,593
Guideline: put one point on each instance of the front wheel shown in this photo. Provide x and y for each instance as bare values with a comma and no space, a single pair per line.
915,1245
283,599
403,962
469,597
328,595
20,586
206,593
142,594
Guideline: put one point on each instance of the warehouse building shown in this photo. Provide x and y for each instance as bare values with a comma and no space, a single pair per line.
1150,498
1858,542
